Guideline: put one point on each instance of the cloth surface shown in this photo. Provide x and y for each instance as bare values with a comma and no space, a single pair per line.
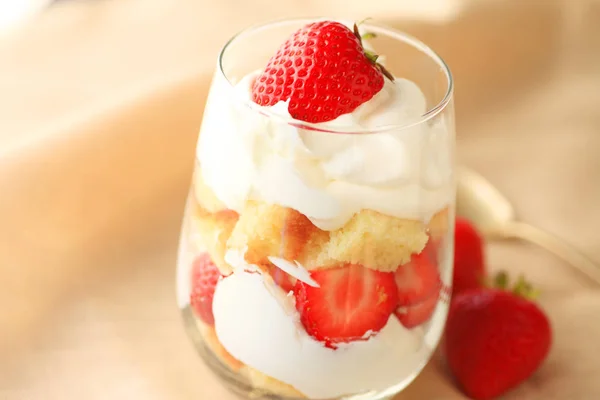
100,105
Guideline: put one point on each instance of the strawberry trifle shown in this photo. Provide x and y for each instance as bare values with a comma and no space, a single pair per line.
316,248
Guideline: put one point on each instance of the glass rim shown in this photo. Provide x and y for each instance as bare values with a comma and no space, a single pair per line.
389,31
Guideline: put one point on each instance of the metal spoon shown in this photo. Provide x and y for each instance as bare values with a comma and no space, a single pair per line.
495,217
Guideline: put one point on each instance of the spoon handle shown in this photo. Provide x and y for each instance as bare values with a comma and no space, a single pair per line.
551,243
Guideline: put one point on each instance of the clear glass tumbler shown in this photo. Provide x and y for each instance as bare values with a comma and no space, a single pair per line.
316,258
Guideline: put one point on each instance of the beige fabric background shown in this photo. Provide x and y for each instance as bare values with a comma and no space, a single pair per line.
100,103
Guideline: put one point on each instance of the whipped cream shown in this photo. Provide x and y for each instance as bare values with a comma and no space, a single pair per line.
406,173
255,327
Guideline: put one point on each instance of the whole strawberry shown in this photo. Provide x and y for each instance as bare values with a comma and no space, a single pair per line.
205,276
469,267
495,339
324,72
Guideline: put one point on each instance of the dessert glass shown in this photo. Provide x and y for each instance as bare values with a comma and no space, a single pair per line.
330,244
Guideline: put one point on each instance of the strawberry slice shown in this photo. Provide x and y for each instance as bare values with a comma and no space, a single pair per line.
284,280
417,314
350,301
418,284
418,280
205,276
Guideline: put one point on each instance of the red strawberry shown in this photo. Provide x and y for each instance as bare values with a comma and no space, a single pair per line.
205,275
494,340
418,284
284,280
324,72
350,301
417,314
469,268
418,280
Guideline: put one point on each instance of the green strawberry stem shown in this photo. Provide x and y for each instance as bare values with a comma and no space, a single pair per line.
359,23
385,72
521,288
370,55
357,34
501,280
369,35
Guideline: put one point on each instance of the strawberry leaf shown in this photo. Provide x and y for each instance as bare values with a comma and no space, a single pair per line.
369,35
521,287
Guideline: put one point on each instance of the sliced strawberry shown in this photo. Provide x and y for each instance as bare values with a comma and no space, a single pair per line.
350,302
415,315
205,276
418,280
284,280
